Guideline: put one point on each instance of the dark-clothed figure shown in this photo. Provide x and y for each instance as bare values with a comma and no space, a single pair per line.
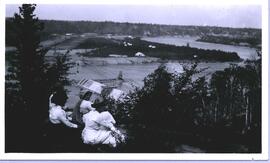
78,111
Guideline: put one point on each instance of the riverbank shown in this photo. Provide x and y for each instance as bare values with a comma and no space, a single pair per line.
243,51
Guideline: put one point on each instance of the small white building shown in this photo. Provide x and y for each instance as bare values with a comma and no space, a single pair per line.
139,54
131,37
127,43
117,56
152,46
68,34
109,36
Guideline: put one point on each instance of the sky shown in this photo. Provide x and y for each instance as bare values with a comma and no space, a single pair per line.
212,15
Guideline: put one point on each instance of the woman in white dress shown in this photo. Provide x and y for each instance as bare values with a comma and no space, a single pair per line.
61,133
99,127
57,115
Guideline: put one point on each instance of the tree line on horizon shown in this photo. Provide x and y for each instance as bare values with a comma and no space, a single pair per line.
135,29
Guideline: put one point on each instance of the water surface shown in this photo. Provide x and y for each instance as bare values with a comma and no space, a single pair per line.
242,51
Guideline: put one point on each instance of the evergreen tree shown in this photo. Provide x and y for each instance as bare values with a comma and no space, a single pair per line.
228,105
26,83
29,82
59,70
155,98
27,66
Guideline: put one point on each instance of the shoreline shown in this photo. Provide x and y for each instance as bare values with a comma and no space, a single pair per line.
103,61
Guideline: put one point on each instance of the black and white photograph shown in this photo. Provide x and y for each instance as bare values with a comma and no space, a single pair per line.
133,79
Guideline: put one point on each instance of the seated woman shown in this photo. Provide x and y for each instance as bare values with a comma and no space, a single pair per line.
83,106
61,134
99,128
57,115
86,104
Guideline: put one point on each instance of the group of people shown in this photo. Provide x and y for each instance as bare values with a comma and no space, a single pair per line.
98,126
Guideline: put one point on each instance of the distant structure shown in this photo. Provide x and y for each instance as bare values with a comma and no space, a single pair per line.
147,33
139,54
78,64
68,34
188,44
127,43
109,36
120,75
152,46
244,44
131,37
117,56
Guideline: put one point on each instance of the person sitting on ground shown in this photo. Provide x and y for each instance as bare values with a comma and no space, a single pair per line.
57,115
99,128
86,104
81,107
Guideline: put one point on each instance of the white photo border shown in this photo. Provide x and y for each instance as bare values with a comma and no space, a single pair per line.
141,156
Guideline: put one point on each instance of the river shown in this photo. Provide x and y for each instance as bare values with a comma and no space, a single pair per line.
242,51
136,72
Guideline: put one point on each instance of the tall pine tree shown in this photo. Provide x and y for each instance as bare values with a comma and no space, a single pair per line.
26,82
27,66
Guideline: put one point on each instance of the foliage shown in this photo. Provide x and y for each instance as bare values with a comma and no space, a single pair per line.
29,82
27,65
59,70
186,108
25,88
250,40
236,91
